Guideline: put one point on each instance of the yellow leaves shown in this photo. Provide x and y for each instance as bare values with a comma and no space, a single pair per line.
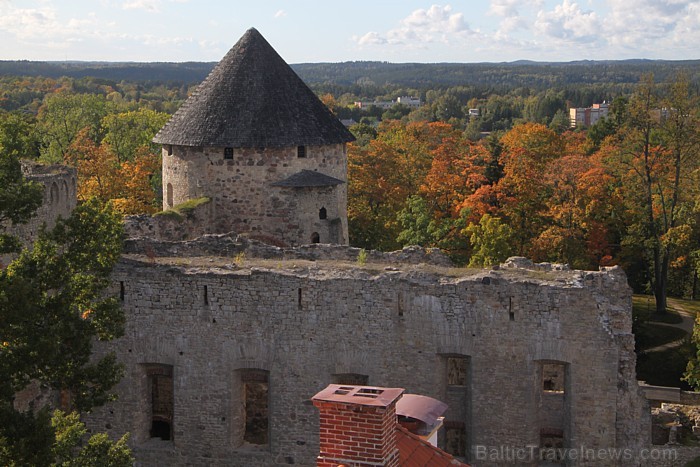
86,314
101,175
677,237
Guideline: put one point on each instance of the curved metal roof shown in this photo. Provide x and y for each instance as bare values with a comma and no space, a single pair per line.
253,99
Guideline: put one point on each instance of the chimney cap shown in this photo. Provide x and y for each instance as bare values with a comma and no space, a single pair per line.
360,395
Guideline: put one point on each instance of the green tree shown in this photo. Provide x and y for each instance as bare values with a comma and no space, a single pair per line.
491,241
126,132
63,115
52,309
18,136
19,198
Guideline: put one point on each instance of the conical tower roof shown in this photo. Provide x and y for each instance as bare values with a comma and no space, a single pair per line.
253,99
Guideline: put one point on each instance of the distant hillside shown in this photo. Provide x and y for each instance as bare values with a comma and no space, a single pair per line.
537,75
187,72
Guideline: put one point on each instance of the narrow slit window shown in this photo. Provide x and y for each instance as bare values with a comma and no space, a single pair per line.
206,295
121,291
169,194
322,213
169,149
301,151
299,298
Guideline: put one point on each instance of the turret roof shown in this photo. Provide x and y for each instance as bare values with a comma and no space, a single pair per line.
253,99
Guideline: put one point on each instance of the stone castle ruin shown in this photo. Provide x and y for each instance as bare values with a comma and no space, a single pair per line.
228,337
60,188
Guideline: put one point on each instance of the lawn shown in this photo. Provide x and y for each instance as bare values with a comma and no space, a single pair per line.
648,335
664,368
643,308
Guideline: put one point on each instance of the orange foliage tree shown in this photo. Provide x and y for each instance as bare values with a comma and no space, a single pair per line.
101,175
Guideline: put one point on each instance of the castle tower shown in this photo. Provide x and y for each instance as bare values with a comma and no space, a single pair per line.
258,142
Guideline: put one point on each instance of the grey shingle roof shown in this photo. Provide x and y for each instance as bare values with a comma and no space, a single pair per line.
307,178
253,99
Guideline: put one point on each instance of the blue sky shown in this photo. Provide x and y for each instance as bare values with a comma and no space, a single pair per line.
305,31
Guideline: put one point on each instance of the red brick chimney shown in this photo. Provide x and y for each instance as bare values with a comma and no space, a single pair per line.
358,426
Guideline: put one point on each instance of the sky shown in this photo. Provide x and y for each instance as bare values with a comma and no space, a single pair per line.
309,31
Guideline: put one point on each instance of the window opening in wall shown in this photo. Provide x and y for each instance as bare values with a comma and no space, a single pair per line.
455,438
551,445
315,238
228,153
350,379
169,149
553,377
301,151
456,371
255,399
169,195
206,295
322,213
54,193
299,298
121,290
160,385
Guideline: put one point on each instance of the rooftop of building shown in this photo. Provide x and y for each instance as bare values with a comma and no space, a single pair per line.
253,99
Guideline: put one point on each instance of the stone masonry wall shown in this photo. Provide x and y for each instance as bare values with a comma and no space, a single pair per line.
244,199
59,199
398,325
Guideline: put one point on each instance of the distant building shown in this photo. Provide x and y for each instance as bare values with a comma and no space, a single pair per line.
582,117
413,102
409,101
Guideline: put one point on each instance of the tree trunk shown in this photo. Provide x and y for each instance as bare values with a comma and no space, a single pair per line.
661,280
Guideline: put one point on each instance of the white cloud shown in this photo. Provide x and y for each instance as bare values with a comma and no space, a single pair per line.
152,6
280,14
436,24
43,27
651,21
509,10
43,23
568,22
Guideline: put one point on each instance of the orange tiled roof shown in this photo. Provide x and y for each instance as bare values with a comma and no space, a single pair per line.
416,452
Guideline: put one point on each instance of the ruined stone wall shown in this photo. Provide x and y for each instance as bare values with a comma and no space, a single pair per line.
399,325
244,199
59,199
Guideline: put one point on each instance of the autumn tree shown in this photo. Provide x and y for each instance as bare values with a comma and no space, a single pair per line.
528,149
383,175
658,147
100,174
